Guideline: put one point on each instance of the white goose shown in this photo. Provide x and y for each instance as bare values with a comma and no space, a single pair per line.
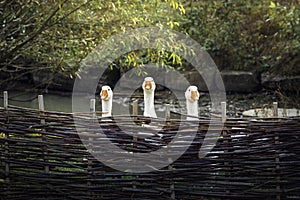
192,97
106,96
149,87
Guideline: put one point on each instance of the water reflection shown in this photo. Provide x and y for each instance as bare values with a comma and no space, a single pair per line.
54,102
236,104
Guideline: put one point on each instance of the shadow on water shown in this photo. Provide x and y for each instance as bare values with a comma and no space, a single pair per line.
52,102
236,103
55,102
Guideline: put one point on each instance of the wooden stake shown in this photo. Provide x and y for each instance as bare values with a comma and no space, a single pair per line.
277,160
275,114
93,107
6,144
135,112
225,135
5,105
42,108
168,112
172,186
5,100
90,145
41,103
275,109
135,109
223,106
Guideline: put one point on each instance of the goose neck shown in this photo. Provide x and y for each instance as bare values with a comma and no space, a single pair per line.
106,107
149,105
192,108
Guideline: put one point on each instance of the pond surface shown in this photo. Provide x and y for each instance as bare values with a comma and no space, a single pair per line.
63,103
236,104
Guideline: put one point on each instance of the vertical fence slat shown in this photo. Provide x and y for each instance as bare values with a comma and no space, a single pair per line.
168,112
93,107
275,109
225,135
44,138
172,186
41,108
223,107
5,100
277,140
135,109
6,145
170,167
41,102
135,112
277,161
90,145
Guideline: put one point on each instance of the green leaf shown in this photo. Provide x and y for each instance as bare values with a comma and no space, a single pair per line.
272,5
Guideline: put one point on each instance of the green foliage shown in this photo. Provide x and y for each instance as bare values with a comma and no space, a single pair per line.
58,34
248,35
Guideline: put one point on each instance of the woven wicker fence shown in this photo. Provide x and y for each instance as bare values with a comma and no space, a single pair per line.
43,157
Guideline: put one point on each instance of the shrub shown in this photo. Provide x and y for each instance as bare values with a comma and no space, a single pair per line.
248,35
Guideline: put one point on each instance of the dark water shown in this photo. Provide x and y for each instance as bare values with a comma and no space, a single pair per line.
236,104
30,100
63,103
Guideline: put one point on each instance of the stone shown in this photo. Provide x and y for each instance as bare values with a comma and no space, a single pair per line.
281,83
196,79
234,81
59,82
240,81
268,112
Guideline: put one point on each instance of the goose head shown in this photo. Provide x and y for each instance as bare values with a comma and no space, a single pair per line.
149,85
192,94
106,93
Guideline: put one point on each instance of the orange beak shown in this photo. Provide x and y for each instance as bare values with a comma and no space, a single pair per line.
148,85
104,94
195,95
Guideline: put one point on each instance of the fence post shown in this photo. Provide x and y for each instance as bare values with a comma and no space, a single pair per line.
93,107
277,161
223,106
170,167
41,108
168,112
275,109
135,112
44,138
172,186
5,100
6,145
135,109
225,135
89,160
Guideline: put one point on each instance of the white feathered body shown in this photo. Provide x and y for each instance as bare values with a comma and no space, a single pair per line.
192,97
106,101
149,88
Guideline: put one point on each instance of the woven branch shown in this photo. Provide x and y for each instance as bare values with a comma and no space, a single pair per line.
253,158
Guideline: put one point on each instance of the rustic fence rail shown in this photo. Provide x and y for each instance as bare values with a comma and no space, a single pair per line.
43,157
